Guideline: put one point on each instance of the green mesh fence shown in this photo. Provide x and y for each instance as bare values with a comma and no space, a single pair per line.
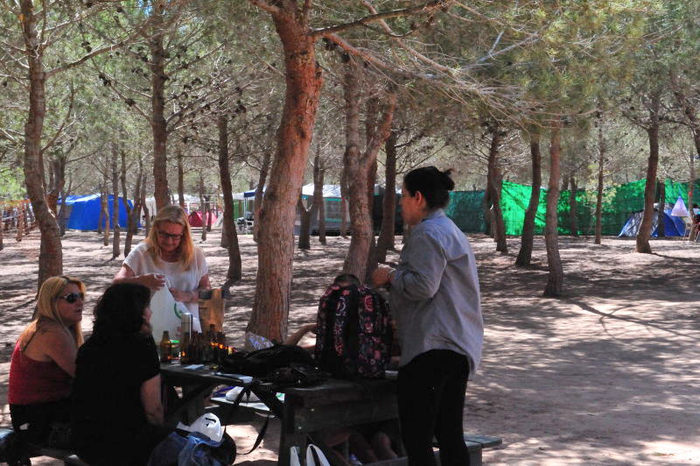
467,211
619,202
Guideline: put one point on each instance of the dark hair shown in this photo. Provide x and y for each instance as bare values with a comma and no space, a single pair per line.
434,185
346,279
120,309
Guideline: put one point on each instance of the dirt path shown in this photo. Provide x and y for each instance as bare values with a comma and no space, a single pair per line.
608,374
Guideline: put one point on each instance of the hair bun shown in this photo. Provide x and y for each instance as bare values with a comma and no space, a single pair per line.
446,179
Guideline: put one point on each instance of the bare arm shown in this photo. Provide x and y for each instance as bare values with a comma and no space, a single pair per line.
191,296
299,334
127,275
150,399
59,346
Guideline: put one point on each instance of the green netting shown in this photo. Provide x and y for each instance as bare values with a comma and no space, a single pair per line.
467,211
619,202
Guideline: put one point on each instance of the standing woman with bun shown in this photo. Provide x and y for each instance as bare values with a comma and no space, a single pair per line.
435,300
169,256
43,361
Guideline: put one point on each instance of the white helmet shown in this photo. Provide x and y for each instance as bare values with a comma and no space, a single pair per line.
208,424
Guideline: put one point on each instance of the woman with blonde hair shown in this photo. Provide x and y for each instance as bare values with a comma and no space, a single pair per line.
43,361
169,256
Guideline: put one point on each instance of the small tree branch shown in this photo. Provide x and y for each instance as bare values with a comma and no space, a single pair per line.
264,5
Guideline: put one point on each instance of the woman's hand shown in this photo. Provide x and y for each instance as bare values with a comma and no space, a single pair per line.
184,296
382,275
154,281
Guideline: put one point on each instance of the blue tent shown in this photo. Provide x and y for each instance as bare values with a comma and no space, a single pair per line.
85,212
674,226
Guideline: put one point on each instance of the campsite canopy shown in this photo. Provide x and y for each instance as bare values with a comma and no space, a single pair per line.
84,211
674,226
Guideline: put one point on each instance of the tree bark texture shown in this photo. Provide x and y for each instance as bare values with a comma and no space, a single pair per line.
357,168
58,179
50,251
116,248
344,203
105,212
202,207
275,237
661,227
573,207
235,268
644,233
180,180
602,148
159,126
135,212
259,190
319,176
528,236
387,235
494,186
555,278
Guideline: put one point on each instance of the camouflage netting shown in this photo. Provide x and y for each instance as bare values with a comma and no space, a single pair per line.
619,202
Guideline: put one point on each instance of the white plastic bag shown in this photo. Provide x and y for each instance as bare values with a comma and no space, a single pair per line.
310,461
167,314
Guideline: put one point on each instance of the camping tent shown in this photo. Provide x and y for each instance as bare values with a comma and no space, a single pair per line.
85,211
674,226
195,218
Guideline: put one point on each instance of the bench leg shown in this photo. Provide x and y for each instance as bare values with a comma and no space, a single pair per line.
288,440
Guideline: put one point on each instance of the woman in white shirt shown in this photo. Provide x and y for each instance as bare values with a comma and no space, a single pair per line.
168,256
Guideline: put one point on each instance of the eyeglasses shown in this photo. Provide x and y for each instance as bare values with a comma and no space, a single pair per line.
73,297
165,235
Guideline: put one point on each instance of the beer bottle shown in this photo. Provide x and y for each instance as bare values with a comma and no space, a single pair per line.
166,348
185,349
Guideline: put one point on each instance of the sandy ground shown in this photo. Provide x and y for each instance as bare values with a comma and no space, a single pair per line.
608,374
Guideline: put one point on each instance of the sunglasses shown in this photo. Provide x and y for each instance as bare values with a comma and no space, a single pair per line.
72,297
165,235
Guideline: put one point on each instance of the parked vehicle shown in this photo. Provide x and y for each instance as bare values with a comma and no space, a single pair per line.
244,225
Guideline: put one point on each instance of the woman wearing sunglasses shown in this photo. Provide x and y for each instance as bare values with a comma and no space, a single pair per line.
43,361
169,257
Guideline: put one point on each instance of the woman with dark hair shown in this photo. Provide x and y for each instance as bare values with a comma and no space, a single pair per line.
117,412
435,300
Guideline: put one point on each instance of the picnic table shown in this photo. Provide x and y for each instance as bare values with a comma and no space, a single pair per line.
332,404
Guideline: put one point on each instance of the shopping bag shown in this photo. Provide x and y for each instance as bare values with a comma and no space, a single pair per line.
315,457
167,314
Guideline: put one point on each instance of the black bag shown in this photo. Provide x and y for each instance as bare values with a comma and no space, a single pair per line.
261,362
296,375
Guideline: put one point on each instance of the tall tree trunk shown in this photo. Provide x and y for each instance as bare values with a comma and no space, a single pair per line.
387,235
259,190
116,248
105,212
573,207
644,233
528,237
144,205
602,148
202,207
208,213
494,186
159,125
304,224
357,168
319,175
555,278
135,212
57,180
344,209
234,272
180,180
50,249
661,226
62,210
275,239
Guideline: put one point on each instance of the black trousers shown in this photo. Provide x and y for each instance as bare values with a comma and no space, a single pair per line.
431,401
38,420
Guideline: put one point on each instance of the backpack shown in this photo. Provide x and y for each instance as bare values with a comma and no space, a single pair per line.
354,333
